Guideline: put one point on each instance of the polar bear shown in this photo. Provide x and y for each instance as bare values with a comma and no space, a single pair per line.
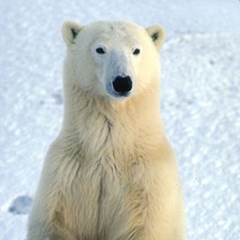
111,174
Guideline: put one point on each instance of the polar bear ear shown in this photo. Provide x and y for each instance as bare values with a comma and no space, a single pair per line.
70,30
157,33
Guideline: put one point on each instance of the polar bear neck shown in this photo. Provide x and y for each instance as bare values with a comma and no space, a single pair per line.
98,122
140,107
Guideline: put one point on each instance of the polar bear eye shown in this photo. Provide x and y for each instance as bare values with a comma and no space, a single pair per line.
136,51
100,50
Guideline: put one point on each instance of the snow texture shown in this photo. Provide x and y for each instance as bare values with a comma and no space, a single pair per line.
200,101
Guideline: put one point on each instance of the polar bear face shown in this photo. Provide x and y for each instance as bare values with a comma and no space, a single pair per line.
116,59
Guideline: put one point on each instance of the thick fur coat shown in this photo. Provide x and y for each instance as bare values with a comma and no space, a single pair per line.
111,173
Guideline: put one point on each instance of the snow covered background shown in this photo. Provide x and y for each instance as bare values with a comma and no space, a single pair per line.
200,100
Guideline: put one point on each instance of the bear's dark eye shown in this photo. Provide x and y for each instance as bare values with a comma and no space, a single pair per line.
100,50
136,51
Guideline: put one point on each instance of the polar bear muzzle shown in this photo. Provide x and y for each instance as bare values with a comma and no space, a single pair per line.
122,85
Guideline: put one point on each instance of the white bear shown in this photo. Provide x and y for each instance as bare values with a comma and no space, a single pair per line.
111,174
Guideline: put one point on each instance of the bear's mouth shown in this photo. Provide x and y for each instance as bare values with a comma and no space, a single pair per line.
118,91
121,86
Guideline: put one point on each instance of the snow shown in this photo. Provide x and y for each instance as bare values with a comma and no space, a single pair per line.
200,101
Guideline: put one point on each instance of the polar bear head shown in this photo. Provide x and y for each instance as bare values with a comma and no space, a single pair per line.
112,58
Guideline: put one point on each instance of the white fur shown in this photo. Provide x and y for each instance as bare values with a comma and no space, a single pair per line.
111,173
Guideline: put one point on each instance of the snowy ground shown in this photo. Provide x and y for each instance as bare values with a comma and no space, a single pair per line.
200,101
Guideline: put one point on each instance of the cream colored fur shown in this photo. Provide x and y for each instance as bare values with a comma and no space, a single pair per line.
111,173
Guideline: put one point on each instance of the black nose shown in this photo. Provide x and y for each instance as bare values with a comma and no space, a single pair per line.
122,85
